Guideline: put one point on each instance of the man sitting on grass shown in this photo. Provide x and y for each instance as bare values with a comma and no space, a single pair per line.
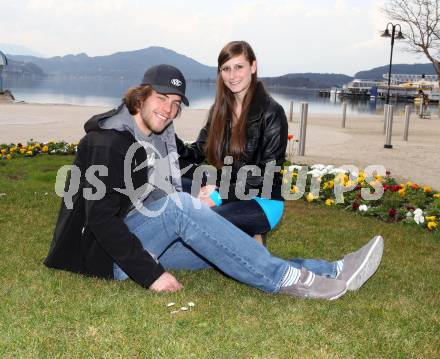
129,217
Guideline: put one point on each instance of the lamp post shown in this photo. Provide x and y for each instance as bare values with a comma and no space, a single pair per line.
393,36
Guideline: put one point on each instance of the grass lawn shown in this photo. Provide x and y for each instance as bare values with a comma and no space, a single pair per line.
48,314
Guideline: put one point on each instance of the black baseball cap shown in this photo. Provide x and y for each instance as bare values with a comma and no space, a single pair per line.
166,79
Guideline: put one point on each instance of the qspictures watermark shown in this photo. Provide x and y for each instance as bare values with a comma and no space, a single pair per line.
345,179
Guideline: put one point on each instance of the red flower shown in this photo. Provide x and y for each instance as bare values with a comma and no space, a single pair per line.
355,205
290,137
414,186
386,187
392,212
395,188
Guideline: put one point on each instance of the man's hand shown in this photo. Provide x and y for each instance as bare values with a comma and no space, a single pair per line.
166,283
204,195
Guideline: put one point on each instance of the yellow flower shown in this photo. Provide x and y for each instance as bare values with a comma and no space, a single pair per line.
430,218
361,179
8,157
283,172
427,189
340,178
294,189
12,149
310,197
402,192
409,184
22,151
349,184
294,174
378,178
37,146
329,202
45,149
432,225
436,195
3,152
29,153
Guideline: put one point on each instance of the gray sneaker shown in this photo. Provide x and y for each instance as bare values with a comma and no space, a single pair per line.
359,266
314,286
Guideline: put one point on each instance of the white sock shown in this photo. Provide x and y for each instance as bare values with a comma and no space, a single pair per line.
291,277
339,266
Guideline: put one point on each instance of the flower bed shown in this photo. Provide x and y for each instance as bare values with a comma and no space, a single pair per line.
399,202
33,148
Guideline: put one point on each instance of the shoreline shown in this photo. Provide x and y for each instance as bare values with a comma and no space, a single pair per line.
360,143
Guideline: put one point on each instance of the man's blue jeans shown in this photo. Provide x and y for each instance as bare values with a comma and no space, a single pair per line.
191,236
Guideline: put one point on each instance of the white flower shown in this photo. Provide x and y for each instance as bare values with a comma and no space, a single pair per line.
318,167
363,208
336,171
408,214
294,167
315,173
419,219
418,212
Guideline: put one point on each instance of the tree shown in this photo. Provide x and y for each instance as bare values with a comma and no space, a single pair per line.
420,21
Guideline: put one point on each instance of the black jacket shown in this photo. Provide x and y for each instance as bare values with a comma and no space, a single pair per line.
92,235
266,141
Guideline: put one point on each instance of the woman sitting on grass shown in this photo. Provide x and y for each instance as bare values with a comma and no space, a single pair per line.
245,126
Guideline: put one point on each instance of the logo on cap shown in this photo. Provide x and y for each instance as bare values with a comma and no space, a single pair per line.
176,82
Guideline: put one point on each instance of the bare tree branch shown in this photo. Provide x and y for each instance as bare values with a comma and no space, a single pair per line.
420,21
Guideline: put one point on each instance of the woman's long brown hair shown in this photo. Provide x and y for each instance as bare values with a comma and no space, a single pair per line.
223,109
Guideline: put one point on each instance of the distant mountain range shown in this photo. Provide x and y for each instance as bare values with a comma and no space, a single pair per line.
132,64
14,49
413,69
308,80
128,64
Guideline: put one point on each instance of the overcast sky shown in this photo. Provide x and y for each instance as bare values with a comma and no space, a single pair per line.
339,36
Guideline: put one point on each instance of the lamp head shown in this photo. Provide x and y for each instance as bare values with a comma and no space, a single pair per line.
386,33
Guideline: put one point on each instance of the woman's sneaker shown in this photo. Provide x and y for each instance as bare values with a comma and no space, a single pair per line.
314,286
359,266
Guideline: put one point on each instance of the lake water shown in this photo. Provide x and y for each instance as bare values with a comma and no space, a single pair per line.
109,92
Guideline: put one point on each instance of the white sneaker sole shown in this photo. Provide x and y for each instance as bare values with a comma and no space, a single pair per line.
339,295
368,267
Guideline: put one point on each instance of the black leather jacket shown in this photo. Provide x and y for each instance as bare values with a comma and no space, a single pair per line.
266,135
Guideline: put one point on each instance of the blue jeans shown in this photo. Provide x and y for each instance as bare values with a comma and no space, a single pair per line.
194,237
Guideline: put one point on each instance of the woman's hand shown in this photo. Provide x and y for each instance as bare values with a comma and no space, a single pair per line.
204,195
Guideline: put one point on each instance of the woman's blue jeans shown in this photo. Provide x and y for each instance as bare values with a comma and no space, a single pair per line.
186,234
